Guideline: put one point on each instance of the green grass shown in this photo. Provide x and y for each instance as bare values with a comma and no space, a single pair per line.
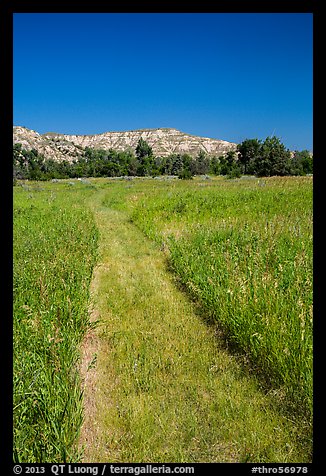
55,244
243,249
166,388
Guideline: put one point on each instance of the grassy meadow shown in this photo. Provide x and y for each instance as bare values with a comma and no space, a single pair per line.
55,244
241,249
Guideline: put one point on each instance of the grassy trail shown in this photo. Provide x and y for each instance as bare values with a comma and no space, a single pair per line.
159,385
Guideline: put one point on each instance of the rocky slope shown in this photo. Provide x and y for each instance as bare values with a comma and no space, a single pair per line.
163,141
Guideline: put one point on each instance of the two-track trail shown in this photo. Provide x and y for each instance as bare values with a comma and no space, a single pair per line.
158,385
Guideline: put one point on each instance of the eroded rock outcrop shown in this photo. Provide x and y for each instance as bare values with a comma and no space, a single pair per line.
163,141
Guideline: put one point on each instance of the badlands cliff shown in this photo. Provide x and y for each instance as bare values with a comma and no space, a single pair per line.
164,141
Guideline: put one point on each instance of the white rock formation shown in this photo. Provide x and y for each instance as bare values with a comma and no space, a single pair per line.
163,141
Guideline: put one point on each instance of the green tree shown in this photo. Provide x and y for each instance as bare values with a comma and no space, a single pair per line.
144,154
35,163
273,159
19,163
177,164
201,164
307,162
215,165
133,165
166,165
227,162
230,158
248,153
188,167
143,149
302,163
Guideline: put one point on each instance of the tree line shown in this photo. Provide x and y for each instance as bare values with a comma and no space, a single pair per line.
252,157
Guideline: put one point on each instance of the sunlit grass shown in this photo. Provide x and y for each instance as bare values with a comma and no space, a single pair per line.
55,244
243,249
166,389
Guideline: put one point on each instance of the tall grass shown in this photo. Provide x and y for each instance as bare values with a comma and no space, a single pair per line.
243,249
166,389
55,241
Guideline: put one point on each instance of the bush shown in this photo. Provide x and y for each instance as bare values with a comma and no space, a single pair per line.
185,174
234,172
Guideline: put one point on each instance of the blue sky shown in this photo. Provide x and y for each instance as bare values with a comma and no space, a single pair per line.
227,76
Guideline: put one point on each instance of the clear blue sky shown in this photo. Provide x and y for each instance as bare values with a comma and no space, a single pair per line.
227,76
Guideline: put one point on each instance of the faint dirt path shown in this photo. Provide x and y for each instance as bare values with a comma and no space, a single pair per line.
157,385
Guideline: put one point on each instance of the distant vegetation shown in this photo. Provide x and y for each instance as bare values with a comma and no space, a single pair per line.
252,157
